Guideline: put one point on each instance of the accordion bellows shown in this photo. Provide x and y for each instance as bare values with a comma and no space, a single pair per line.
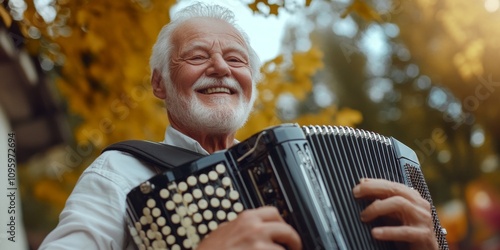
306,172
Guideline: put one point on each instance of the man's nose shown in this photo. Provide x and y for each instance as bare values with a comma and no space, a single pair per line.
218,67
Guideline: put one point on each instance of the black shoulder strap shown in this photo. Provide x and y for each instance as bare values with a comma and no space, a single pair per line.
161,155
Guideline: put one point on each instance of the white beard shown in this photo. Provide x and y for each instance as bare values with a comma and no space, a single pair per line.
191,113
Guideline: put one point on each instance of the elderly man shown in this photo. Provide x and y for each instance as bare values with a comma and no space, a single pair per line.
205,71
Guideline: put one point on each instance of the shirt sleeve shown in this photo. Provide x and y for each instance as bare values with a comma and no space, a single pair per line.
94,215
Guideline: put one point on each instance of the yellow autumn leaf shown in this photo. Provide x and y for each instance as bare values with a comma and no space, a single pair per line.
4,15
361,8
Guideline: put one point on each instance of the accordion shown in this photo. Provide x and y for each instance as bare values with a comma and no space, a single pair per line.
306,172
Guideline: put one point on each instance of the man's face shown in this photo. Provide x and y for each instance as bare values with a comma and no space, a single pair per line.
210,75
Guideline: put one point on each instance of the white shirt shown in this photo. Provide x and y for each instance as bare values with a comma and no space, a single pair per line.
94,216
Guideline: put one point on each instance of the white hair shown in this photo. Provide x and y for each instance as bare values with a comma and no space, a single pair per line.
162,49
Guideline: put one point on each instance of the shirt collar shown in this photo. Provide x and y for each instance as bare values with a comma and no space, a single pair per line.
175,138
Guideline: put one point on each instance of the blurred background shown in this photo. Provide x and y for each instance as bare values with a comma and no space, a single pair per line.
74,78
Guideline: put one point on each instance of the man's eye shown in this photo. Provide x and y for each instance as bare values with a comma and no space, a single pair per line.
234,60
197,58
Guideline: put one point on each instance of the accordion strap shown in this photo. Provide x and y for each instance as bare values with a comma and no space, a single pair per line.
159,154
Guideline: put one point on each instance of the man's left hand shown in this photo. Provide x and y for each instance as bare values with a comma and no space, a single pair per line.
397,201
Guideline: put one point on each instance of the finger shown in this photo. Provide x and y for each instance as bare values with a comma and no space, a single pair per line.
284,234
381,189
266,214
404,234
395,206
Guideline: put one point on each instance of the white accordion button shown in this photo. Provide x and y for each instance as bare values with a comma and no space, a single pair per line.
151,203
164,193
197,194
191,181
203,178
170,205
220,168
166,230
212,175
234,195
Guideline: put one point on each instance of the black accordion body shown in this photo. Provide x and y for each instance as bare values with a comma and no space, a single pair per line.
306,172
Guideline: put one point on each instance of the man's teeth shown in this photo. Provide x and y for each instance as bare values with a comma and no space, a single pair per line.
217,90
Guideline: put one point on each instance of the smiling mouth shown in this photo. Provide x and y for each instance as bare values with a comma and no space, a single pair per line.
217,90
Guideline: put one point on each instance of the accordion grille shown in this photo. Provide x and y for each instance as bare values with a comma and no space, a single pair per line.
417,181
345,155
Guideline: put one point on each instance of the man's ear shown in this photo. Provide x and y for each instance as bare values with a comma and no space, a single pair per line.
158,85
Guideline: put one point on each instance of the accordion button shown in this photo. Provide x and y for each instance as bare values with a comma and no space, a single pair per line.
212,175
176,219
161,221
177,198
197,218
170,205
156,212
176,247
197,193
194,238
181,231
231,216
164,193
133,231
187,243
220,168
143,220
182,186
146,242
212,225
166,230
151,235
158,237
146,211
137,240
187,222
238,207
138,226
203,178
208,215
226,181
220,192
192,208
221,215
234,195
214,202
151,203
182,211
155,244
142,234
225,203
154,227
202,204
209,190
191,181
170,239
188,198
202,229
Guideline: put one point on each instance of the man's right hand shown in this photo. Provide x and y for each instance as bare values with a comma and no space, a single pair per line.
261,228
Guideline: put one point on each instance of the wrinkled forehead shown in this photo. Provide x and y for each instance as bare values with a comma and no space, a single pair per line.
205,27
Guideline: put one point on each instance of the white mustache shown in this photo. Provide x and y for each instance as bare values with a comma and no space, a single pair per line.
209,82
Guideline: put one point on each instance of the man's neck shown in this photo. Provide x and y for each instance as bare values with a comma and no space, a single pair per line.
210,142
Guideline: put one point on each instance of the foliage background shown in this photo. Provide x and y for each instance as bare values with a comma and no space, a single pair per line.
422,71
